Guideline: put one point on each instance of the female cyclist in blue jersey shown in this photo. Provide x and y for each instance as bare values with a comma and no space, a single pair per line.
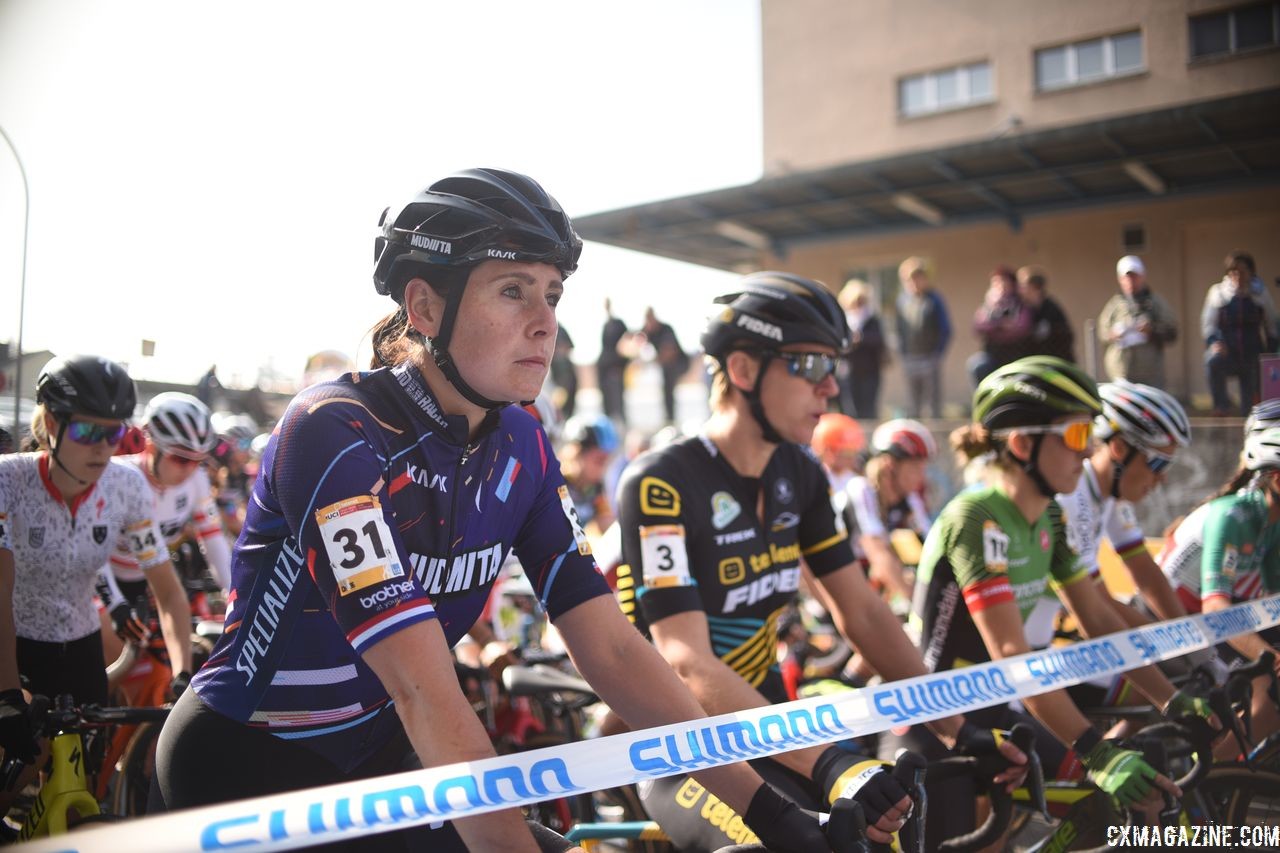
62,509
385,506
994,550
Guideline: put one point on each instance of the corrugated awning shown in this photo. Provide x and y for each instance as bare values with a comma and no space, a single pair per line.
1218,145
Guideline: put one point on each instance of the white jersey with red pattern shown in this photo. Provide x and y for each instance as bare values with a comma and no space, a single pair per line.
191,500
58,548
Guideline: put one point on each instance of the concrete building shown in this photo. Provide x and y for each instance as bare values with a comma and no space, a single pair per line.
982,132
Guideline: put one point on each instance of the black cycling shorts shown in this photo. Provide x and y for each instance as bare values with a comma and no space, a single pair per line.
204,758
75,667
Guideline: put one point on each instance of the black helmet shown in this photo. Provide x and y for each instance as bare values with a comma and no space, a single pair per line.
459,222
86,385
773,309
469,217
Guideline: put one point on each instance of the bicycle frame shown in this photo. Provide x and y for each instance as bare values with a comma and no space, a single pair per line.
65,790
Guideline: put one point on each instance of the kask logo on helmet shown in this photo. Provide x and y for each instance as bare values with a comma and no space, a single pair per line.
502,254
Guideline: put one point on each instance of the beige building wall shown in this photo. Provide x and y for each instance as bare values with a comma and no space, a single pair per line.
1186,241
831,70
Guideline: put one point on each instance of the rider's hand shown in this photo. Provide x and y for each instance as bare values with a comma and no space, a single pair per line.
783,826
979,742
1125,774
129,626
1184,704
885,802
179,684
15,727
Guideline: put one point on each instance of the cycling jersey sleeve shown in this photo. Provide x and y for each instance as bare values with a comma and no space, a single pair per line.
866,508
824,542
208,525
6,500
652,514
554,550
1224,538
330,478
978,551
1065,565
1123,530
141,531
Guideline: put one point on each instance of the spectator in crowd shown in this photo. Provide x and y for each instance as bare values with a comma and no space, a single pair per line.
1003,324
563,373
207,385
611,366
859,370
924,331
671,357
1050,329
1238,323
1136,325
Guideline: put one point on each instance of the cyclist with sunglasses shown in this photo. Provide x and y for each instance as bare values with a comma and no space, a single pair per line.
179,436
62,510
714,529
993,551
231,455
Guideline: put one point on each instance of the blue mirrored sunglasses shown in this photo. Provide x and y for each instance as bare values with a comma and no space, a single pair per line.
812,366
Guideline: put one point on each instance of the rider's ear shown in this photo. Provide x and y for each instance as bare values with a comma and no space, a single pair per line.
742,370
424,306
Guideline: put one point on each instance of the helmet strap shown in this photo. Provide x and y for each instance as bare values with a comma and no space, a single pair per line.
1032,467
756,406
63,423
1117,470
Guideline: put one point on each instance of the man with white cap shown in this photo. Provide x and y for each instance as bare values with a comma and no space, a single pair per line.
1136,325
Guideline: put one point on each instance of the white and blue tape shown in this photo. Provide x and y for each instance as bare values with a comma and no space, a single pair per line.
332,813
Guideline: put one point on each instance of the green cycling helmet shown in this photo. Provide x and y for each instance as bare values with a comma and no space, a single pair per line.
1034,390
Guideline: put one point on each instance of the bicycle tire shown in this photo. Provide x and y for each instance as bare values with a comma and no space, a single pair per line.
133,779
1238,796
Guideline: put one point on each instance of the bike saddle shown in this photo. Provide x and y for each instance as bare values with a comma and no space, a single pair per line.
532,680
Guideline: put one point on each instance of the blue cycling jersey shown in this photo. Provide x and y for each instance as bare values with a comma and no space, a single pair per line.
372,513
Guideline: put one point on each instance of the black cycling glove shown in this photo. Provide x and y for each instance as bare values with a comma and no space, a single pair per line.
15,727
865,780
128,624
782,825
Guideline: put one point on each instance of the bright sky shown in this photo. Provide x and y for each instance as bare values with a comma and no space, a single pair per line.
209,175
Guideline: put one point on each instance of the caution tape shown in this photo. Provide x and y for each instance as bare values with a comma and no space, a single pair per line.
423,797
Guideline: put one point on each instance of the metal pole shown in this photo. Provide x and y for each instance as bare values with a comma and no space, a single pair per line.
22,292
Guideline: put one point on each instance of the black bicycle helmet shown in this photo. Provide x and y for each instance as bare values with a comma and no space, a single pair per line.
86,385
1034,391
769,311
457,223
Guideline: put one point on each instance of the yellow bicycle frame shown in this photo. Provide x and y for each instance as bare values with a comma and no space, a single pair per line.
66,790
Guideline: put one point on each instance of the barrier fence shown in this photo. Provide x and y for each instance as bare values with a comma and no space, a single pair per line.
336,812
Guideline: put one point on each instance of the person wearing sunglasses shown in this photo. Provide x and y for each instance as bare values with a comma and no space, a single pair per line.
992,552
179,437
231,456
386,504
62,510
714,529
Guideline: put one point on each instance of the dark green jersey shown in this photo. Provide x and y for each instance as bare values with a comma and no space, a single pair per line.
982,551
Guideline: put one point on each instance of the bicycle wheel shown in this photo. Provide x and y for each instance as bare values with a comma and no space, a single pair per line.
1237,796
137,764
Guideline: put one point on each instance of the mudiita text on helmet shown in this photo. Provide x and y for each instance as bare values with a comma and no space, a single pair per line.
759,327
431,244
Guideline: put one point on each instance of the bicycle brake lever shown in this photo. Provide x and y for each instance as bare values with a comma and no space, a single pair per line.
847,827
910,772
1223,707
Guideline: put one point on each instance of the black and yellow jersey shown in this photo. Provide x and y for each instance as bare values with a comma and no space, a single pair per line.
698,536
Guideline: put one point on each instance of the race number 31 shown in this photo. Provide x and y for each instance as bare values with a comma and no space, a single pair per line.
358,542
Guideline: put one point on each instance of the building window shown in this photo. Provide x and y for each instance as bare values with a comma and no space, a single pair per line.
1235,31
948,89
1089,61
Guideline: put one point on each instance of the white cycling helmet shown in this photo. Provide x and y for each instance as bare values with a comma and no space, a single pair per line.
237,429
903,438
1143,416
1263,416
180,424
1262,450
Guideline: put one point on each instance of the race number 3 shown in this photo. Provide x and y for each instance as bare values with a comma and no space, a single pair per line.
665,558
358,542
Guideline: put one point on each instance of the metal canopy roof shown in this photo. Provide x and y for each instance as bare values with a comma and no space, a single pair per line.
1218,145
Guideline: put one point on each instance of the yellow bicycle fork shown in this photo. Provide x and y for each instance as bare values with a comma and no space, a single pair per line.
66,790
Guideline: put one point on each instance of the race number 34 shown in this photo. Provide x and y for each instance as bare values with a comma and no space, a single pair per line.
358,542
